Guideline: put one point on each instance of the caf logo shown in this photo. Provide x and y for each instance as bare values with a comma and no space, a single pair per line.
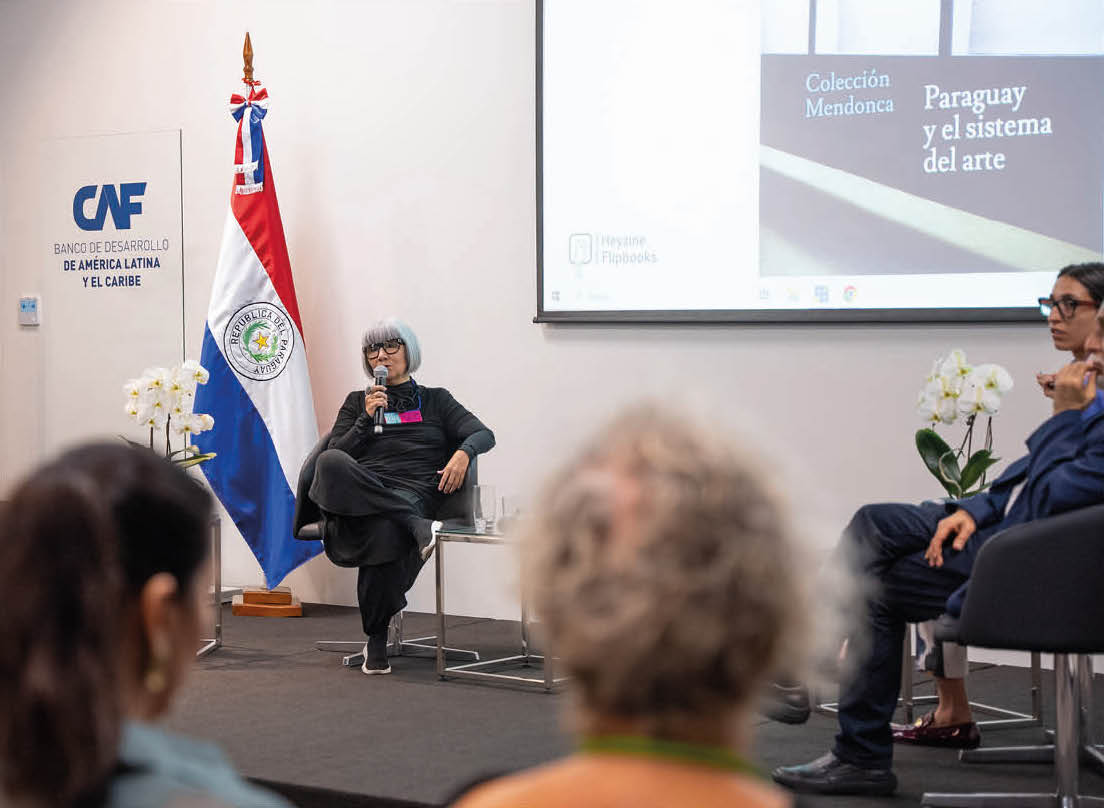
258,341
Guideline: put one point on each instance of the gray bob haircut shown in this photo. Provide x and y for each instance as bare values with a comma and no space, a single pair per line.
392,328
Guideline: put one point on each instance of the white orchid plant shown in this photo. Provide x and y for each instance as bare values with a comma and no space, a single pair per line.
954,389
163,398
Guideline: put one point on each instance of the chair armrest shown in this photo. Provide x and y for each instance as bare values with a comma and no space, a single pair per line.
306,512
312,531
458,506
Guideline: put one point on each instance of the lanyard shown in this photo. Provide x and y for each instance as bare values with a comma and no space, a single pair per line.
641,746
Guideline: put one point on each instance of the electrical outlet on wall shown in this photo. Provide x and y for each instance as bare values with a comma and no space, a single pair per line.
30,308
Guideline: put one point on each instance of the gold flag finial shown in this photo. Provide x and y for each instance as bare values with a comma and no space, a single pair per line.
247,56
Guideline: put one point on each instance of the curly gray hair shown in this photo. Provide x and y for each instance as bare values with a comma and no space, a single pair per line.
663,568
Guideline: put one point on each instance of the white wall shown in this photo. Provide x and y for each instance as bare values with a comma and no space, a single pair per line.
402,139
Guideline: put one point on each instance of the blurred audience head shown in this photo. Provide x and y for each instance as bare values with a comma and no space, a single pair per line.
104,573
663,568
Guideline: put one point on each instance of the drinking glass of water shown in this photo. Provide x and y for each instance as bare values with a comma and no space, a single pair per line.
484,502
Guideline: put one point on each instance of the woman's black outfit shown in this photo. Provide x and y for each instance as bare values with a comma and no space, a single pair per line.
372,489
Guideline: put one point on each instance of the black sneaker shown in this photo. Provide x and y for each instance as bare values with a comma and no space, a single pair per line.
425,535
375,656
786,703
830,775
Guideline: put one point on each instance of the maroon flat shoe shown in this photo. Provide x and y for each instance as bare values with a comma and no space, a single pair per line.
953,736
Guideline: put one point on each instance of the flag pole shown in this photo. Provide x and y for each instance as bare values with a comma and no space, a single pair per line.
247,58
260,601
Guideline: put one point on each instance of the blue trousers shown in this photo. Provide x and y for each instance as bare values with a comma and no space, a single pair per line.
886,544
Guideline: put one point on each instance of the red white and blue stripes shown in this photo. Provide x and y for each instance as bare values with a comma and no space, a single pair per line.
259,392
249,156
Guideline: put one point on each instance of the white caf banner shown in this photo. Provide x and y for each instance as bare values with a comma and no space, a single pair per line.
112,285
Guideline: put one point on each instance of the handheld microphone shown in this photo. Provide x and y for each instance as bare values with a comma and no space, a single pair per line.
379,373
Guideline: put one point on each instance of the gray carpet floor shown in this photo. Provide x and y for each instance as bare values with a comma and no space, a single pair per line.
287,713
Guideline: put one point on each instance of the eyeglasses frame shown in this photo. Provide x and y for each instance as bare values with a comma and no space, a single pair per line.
370,353
1047,304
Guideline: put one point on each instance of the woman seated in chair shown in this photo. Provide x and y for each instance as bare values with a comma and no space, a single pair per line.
379,493
106,573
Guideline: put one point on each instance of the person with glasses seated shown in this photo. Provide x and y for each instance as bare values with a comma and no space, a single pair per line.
421,454
1070,312
919,556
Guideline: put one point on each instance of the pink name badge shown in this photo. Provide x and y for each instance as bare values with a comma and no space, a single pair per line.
410,417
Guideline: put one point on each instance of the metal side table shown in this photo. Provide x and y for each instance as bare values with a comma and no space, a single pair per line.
216,592
473,670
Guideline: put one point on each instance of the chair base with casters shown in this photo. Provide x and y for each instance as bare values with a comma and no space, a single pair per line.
1035,587
396,646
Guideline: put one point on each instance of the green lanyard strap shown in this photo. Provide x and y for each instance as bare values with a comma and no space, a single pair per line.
715,756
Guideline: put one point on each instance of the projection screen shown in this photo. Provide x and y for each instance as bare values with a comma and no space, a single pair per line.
815,160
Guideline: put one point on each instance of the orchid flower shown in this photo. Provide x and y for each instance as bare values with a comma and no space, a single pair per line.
955,364
155,378
977,399
992,377
195,371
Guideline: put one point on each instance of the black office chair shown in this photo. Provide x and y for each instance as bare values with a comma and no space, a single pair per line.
309,525
1036,587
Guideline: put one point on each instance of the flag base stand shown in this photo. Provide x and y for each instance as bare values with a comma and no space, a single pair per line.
260,602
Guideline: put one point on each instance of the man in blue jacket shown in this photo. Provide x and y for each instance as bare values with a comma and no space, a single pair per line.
905,549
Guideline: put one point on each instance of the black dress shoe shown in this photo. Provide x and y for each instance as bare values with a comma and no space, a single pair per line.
787,703
830,775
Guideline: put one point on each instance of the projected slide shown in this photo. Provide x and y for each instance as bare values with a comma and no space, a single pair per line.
840,158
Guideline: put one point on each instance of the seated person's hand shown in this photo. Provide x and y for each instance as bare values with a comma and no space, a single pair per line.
960,525
1046,381
374,399
1074,387
452,475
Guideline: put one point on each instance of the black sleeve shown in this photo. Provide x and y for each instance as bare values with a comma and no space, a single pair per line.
462,427
352,430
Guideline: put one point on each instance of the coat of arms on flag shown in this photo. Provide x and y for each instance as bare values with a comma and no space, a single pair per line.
259,391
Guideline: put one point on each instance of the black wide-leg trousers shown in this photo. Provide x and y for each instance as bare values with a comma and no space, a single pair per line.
370,520
344,487
382,588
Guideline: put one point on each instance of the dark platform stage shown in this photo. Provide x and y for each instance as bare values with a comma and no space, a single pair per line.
295,719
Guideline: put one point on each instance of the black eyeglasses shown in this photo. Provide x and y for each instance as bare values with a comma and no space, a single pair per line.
389,347
1067,306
